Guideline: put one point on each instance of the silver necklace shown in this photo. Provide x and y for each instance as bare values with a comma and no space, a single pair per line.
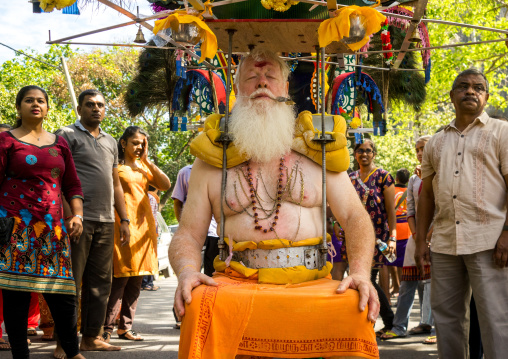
30,133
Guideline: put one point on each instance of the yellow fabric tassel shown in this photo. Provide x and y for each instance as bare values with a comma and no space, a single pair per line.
209,44
336,28
49,5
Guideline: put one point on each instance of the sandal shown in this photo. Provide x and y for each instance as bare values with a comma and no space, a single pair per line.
151,288
48,337
381,332
106,337
430,340
130,335
420,329
31,332
390,335
4,346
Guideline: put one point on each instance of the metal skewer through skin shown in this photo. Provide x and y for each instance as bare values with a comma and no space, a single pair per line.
324,247
225,139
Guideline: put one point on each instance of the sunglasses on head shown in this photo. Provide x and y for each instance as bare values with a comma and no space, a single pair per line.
361,151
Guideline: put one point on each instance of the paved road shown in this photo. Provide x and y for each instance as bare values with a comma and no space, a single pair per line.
154,320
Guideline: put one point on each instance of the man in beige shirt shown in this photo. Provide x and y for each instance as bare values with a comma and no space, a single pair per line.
465,176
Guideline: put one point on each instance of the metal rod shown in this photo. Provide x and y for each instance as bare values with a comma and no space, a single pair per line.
367,67
70,87
222,247
434,47
324,246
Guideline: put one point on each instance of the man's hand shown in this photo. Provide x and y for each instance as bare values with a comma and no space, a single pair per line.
368,294
125,233
188,280
75,228
418,171
422,255
500,255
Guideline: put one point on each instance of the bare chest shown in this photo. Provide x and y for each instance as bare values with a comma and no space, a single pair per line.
263,189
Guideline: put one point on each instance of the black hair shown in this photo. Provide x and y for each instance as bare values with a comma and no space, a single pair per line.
21,95
5,125
89,92
128,133
402,176
369,141
471,71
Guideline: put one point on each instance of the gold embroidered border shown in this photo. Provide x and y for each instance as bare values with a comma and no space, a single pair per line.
311,347
480,164
205,318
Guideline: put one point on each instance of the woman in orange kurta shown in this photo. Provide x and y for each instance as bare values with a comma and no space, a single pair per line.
139,257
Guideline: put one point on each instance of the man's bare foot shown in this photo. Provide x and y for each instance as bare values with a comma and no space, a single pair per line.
59,352
96,344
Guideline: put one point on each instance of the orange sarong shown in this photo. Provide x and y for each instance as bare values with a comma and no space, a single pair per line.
243,317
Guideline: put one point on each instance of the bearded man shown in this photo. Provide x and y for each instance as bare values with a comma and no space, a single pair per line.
251,307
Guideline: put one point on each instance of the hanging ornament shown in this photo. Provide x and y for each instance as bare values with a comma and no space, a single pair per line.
50,5
386,43
292,64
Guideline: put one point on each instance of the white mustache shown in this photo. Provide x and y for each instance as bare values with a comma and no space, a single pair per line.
262,92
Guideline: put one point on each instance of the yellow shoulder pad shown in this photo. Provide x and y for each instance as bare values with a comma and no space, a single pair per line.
206,148
337,155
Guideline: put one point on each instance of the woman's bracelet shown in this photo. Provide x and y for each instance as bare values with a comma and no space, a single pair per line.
185,266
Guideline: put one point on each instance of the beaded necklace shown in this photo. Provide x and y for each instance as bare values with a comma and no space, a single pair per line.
276,201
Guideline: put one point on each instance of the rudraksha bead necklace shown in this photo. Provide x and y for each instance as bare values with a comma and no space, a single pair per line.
278,199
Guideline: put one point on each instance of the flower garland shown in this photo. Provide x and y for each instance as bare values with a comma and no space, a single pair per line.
386,42
278,5
353,122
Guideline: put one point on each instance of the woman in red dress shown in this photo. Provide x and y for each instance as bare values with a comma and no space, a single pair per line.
36,169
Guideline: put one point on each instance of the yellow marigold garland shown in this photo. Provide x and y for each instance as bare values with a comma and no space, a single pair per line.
278,5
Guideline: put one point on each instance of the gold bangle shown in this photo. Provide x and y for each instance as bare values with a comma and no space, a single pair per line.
185,266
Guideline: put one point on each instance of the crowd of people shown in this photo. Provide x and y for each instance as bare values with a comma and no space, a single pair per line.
84,234
439,229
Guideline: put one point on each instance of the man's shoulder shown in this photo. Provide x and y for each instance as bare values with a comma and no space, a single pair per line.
69,129
108,137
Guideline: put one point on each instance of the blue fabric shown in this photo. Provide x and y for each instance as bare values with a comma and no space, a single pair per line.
71,10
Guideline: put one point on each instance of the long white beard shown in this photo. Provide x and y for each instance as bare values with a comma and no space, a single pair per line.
262,129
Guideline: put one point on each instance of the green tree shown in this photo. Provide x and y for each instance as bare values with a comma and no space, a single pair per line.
396,149
110,71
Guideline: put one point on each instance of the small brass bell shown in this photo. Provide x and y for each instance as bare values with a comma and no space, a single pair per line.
140,38
415,37
187,35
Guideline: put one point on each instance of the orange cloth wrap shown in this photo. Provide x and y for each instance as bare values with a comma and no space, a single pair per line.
305,320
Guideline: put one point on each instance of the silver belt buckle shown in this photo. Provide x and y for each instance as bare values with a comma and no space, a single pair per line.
308,256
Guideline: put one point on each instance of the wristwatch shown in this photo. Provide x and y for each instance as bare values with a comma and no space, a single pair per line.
126,220
80,217
393,239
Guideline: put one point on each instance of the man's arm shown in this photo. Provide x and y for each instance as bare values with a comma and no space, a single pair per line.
359,233
177,205
426,207
500,255
185,249
125,234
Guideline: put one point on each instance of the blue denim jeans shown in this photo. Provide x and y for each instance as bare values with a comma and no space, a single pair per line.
405,303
